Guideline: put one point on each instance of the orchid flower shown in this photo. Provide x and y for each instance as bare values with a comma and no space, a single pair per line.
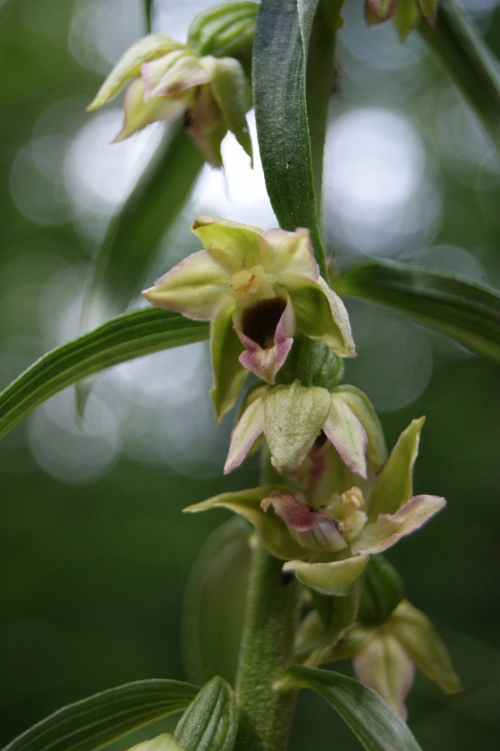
257,288
168,80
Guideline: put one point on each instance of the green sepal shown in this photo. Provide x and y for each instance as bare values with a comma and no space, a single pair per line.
416,634
428,7
382,590
405,18
231,91
336,578
271,529
342,615
210,723
226,29
394,485
363,409
229,373
294,416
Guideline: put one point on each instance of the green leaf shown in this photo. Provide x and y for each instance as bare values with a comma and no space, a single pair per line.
123,338
133,236
394,485
467,59
280,94
214,603
465,310
96,721
371,719
211,722
226,29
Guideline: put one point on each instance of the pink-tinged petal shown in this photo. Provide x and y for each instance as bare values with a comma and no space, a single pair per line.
288,253
347,434
172,74
196,287
138,113
266,329
246,432
313,531
384,666
381,534
335,579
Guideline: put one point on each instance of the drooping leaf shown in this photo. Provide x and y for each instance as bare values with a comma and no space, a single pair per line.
132,238
465,310
123,338
214,603
458,45
96,721
280,94
210,723
371,719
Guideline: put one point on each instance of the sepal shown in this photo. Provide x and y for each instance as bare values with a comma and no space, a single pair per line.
335,578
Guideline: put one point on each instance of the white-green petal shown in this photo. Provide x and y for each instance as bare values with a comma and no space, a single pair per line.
197,287
336,578
138,113
172,74
345,431
248,428
294,417
290,256
129,66
377,536
365,412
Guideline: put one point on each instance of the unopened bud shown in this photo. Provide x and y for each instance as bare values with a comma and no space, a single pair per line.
382,591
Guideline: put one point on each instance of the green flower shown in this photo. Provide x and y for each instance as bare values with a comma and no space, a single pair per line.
326,535
257,288
169,80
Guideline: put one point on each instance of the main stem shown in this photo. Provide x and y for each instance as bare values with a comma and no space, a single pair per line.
266,650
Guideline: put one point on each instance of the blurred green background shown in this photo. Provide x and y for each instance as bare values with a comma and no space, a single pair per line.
94,551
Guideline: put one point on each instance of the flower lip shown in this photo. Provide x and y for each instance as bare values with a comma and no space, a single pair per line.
259,321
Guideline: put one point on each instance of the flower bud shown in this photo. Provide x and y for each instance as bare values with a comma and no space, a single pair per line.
382,591
312,363
226,29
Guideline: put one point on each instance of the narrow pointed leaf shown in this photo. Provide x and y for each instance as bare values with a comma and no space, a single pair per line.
371,719
458,45
211,722
96,721
280,94
123,338
214,603
133,236
465,310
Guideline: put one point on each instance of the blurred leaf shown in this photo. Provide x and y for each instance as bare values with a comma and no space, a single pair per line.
371,719
279,77
123,338
211,722
132,238
468,60
214,603
465,310
96,721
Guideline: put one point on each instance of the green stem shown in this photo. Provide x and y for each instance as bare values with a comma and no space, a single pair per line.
148,7
266,650
469,62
